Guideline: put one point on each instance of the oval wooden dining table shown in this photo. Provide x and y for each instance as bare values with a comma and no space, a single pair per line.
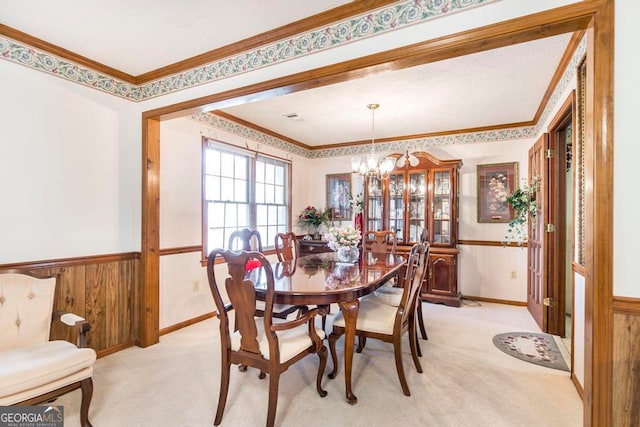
321,280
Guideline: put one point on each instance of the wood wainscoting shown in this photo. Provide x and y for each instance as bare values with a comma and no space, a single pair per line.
103,289
626,361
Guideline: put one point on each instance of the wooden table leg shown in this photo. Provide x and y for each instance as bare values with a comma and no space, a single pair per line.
350,313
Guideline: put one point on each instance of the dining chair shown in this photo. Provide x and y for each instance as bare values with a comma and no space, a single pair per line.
384,241
388,323
392,296
287,246
246,239
249,240
424,239
259,342
288,249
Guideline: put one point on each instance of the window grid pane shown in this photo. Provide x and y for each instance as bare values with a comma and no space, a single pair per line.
230,194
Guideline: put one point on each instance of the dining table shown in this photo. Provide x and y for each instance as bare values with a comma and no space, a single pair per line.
321,280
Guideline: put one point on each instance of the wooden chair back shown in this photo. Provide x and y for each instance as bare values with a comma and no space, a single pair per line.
381,241
424,236
26,308
242,296
250,240
417,266
287,246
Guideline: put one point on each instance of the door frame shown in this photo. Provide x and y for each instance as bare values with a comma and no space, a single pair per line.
596,16
556,201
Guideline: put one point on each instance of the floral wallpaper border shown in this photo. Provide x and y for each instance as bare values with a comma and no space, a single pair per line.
506,134
219,123
402,14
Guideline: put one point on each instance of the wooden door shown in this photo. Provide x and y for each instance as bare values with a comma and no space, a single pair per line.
537,249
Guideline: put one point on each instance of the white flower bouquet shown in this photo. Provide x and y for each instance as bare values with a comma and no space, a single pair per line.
340,237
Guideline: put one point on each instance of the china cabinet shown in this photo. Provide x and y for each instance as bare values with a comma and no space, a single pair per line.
412,198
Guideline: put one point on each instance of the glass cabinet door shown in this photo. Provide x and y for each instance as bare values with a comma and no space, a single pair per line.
417,202
396,205
374,205
442,207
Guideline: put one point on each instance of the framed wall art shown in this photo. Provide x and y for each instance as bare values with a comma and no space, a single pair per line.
495,183
338,191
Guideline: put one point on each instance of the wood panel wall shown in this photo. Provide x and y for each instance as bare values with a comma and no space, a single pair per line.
626,361
102,289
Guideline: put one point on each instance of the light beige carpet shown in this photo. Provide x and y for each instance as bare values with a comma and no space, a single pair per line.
467,381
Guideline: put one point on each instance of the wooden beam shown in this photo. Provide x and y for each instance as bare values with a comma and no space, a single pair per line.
150,253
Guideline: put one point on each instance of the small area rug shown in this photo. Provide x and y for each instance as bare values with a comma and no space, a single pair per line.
532,347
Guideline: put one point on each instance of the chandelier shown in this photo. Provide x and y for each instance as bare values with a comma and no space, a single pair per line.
373,166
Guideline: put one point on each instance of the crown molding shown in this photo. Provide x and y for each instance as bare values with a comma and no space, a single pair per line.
19,48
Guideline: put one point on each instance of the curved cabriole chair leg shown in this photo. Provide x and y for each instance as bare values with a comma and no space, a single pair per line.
423,331
413,343
397,349
224,389
274,379
86,386
334,357
322,354
362,341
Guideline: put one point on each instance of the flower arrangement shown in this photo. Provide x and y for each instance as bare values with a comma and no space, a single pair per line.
314,216
340,237
525,206
357,203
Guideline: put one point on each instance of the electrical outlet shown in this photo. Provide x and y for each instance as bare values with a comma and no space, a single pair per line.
196,285
514,275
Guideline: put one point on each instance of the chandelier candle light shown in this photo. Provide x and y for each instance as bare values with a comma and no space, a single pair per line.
373,167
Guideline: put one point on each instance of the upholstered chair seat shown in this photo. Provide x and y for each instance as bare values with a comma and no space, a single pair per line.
27,372
372,316
290,341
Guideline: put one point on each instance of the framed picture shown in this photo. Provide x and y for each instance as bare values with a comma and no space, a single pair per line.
338,192
495,182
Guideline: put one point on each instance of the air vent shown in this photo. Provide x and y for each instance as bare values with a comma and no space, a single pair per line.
293,116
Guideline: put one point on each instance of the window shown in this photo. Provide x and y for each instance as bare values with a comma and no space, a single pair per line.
243,189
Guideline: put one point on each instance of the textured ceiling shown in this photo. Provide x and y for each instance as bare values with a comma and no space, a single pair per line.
490,88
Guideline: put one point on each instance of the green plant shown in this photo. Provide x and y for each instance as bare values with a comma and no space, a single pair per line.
314,216
523,201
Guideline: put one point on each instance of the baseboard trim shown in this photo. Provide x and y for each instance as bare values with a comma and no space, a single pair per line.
114,349
186,323
494,300
577,385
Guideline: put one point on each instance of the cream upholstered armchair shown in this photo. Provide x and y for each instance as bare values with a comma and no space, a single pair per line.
32,368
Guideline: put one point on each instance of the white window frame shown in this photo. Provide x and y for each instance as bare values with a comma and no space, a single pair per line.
267,180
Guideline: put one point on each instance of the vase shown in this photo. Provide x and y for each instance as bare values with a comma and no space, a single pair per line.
348,254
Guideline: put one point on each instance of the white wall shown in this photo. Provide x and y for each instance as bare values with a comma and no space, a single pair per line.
626,232
184,289
69,168
578,327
